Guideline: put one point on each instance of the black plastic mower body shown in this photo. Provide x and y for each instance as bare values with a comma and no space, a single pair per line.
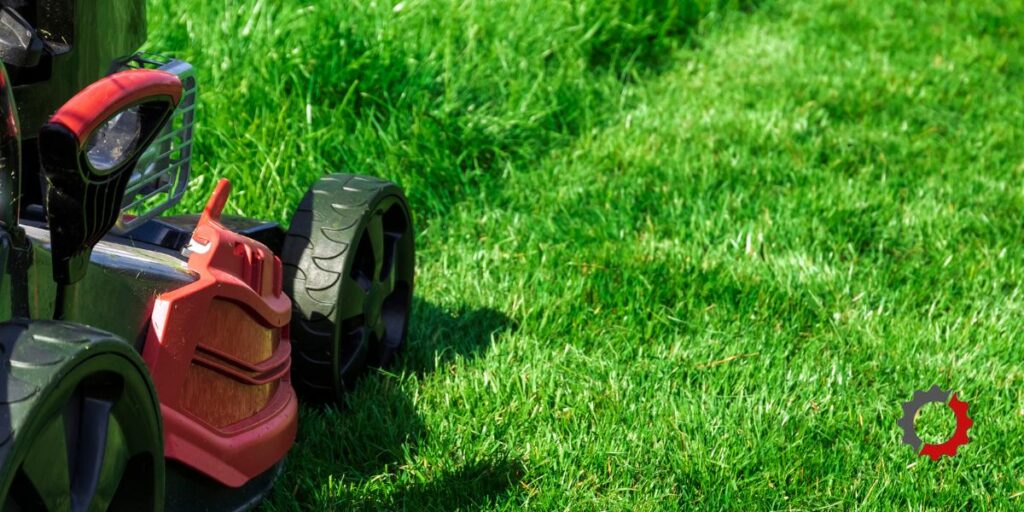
118,290
79,40
52,49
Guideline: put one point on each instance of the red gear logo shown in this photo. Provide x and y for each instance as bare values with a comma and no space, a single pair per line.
963,423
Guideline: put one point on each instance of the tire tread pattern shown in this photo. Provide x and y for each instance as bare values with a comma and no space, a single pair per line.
325,226
36,356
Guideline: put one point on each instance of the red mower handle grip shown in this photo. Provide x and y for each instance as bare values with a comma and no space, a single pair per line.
84,195
85,112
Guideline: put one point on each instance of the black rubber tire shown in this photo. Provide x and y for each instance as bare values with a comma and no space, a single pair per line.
349,258
80,425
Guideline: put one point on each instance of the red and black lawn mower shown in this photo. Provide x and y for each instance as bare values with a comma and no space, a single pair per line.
149,361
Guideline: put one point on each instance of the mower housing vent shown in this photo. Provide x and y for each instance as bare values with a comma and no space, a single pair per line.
161,175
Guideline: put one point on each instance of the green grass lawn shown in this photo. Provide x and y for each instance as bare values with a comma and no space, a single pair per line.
671,254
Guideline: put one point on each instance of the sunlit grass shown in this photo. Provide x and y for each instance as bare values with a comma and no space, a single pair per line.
669,257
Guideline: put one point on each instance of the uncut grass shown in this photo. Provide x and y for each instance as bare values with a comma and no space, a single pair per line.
436,95
717,290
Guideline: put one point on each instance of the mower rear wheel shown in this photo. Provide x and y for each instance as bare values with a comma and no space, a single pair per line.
348,261
80,425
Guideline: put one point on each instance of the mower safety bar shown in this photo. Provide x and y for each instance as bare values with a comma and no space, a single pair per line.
162,173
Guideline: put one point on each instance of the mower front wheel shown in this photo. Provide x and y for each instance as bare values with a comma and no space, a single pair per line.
348,267
80,425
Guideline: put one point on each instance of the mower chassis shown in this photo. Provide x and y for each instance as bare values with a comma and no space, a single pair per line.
132,277
126,278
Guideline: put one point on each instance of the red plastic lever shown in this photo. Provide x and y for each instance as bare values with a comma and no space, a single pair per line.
215,205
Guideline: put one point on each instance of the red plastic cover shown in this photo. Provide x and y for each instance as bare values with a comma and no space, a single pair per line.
229,409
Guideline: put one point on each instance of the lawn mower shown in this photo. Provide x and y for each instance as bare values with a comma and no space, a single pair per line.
154,361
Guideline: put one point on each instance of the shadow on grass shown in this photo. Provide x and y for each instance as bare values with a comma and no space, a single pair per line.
439,336
343,451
